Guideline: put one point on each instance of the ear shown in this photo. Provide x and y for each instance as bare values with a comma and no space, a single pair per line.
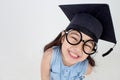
63,37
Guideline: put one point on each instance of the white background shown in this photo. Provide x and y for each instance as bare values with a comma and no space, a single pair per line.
27,25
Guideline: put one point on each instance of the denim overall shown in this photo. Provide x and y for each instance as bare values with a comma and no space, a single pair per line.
58,71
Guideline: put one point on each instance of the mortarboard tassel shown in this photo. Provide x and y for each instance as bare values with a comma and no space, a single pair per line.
108,52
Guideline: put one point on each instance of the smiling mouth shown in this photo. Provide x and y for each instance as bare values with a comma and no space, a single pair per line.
73,55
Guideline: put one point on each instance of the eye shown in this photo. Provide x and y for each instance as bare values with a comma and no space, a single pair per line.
74,38
88,46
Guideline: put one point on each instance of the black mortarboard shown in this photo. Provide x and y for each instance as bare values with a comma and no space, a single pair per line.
92,19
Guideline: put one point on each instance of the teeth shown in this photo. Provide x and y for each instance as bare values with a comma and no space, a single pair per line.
73,54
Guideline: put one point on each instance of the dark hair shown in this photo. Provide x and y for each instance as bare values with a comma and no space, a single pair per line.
57,42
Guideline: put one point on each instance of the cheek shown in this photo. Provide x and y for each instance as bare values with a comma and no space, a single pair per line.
65,46
84,56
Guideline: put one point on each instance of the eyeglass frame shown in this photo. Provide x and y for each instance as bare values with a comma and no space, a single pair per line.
81,40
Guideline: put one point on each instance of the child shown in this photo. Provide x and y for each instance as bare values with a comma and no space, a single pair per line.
68,57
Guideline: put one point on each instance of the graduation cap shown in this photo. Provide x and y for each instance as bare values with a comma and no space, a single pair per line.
92,19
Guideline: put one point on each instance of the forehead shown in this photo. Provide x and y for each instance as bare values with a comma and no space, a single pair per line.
84,36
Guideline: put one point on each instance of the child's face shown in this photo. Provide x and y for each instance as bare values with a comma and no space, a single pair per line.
72,54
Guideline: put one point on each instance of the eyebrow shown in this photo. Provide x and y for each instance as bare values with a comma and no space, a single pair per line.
92,43
78,34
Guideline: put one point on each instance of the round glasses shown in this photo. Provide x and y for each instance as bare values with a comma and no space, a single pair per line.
74,37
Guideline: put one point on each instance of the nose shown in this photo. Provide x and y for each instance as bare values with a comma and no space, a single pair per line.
79,47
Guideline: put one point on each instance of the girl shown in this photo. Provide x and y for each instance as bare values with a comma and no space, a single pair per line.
68,56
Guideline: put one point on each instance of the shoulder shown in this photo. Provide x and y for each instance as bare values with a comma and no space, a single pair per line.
45,64
46,58
89,69
47,54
